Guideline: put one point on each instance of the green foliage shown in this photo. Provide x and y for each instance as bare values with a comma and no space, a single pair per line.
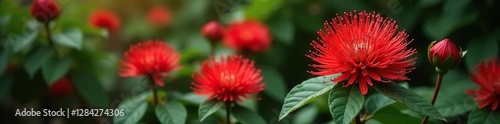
345,103
481,49
134,107
4,61
171,113
261,9
6,84
36,59
274,83
408,98
376,102
484,116
246,116
393,115
90,89
55,69
71,38
208,107
306,92
306,115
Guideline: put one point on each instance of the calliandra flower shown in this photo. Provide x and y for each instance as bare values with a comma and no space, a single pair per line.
213,31
61,87
363,47
150,58
105,19
159,16
487,76
45,10
227,79
248,35
444,54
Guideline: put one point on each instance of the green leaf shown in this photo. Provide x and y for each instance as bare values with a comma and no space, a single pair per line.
6,84
439,25
36,58
261,9
90,89
171,113
480,49
71,38
408,98
306,115
4,61
16,42
208,107
274,82
282,29
345,103
246,116
455,104
377,102
134,109
484,116
55,69
306,92
392,115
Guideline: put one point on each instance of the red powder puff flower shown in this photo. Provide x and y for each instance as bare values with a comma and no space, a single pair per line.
150,58
248,35
61,87
488,79
228,79
159,16
45,10
364,48
105,19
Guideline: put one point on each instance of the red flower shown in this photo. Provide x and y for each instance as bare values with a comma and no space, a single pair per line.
45,10
150,58
488,79
213,30
248,35
159,16
105,19
439,52
61,87
228,79
364,48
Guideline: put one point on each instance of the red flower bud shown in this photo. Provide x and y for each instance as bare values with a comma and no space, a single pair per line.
45,10
159,16
105,19
213,31
444,54
61,87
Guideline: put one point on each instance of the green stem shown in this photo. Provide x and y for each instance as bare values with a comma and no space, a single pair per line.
228,112
357,119
49,33
434,97
155,96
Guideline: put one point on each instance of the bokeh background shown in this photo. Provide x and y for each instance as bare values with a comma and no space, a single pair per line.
471,24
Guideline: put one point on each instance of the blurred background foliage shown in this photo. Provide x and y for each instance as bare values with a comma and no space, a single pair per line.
94,54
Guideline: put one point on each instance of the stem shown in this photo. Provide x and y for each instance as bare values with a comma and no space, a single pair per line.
228,112
155,96
357,119
434,97
49,34
212,48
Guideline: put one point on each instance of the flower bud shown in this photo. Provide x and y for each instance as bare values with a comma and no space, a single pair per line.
213,31
61,87
444,55
45,10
